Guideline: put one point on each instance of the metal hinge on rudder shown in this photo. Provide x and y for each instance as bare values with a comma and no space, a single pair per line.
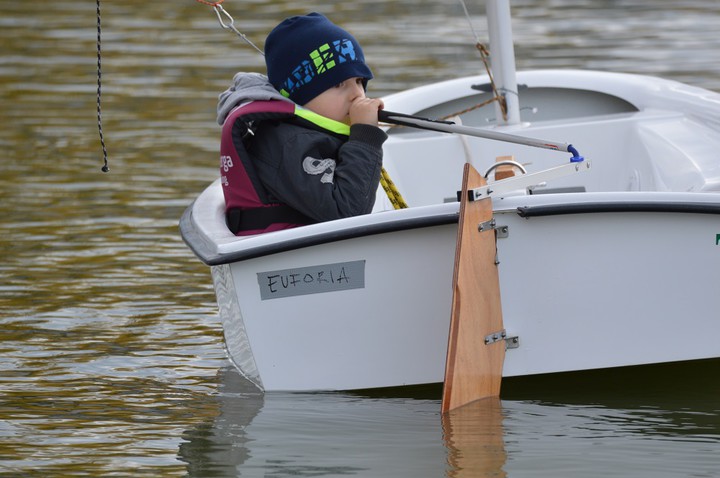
511,342
501,232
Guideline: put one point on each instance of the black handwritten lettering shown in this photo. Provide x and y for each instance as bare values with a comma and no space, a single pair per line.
287,281
309,280
343,276
272,282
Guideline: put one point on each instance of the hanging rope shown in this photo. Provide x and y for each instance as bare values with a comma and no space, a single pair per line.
105,168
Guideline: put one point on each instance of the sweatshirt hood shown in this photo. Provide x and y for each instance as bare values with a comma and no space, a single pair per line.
246,87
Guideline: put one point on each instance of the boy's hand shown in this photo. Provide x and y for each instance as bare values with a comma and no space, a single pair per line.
365,111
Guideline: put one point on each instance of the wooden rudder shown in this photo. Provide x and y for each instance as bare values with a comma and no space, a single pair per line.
473,369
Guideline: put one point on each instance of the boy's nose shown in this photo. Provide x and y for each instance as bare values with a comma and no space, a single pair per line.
358,90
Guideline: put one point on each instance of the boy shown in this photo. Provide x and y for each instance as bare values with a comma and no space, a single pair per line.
321,162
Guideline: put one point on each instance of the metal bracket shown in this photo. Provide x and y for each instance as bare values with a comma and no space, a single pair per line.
510,342
495,337
501,232
529,180
487,225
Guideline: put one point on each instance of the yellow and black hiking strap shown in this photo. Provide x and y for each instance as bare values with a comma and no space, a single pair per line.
392,191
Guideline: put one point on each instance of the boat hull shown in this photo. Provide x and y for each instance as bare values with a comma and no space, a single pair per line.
608,287
388,330
611,288
620,274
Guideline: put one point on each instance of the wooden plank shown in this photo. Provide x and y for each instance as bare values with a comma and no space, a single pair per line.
473,369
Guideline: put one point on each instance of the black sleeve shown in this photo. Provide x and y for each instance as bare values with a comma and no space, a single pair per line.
326,178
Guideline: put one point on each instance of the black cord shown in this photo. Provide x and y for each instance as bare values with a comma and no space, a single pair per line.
105,168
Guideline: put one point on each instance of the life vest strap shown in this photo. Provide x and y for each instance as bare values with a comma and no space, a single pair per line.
260,218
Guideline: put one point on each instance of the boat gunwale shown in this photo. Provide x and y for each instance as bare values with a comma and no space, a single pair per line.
525,206
618,207
211,257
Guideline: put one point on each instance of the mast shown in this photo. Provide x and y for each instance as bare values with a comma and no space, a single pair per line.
502,58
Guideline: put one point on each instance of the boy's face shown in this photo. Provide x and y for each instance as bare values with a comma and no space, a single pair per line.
334,103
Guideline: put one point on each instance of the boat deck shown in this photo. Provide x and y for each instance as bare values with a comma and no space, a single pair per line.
652,150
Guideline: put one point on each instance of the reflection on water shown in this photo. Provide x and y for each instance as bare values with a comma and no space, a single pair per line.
220,446
329,434
111,353
339,434
474,437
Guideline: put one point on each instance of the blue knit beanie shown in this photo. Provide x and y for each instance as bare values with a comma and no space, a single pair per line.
306,55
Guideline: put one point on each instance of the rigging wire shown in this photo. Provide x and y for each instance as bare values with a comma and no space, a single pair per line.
228,23
104,168
472,28
485,56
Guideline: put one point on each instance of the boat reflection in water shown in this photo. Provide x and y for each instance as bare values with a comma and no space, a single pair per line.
316,434
571,425
220,447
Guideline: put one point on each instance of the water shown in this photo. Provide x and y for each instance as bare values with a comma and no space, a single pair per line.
111,352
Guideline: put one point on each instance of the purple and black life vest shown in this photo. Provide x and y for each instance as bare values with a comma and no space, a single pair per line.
247,207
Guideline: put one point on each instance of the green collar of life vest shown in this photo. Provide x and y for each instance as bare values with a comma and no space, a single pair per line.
326,123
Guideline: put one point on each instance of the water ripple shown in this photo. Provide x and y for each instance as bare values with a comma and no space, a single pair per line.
112,360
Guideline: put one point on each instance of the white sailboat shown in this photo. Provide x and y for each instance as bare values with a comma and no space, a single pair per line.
605,266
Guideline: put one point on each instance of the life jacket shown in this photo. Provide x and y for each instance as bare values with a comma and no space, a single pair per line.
248,210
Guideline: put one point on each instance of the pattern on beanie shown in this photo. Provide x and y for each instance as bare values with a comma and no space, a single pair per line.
322,59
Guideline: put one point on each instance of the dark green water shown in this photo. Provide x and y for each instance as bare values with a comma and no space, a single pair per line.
111,352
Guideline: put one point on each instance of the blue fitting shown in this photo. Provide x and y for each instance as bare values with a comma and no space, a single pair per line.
576,158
